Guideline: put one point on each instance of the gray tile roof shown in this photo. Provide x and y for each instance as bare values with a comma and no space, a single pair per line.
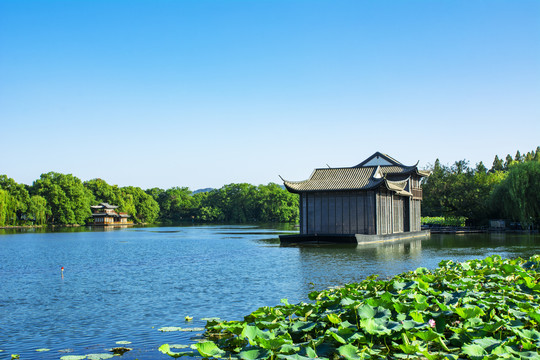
394,177
104,206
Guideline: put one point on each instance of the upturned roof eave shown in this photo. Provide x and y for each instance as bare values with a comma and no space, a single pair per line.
366,188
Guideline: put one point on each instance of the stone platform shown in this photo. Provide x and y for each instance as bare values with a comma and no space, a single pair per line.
350,238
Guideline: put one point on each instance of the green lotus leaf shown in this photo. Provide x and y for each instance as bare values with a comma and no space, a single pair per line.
165,348
170,328
408,348
289,357
346,324
271,325
417,316
311,352
475,351
468,312
369,312
193,329
427,335
99,356
178,346
530,334
43,350
398,285
123,342
347,302
333,318
374,327
73,357
350,352
303,326
336,337
288,349
272,344
211,319
254,354
209,349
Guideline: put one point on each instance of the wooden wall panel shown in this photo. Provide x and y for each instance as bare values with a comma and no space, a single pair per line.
339,215
324,214
332,214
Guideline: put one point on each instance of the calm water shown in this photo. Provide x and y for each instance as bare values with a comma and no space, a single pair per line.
123,285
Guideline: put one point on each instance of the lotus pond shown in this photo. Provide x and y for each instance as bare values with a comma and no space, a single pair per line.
133,290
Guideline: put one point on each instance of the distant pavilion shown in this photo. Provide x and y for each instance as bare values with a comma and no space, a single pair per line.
379,197
105,214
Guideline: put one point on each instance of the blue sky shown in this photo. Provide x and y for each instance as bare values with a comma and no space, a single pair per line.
205,93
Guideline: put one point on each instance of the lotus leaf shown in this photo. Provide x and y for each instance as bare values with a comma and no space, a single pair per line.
475,351
476,309
99,356
303,326
165,348
350,352
209,350
254,354
170,328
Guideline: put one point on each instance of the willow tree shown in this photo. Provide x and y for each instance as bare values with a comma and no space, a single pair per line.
38,209
67,199
518,195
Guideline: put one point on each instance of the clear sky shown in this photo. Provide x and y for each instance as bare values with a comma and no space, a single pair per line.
204,93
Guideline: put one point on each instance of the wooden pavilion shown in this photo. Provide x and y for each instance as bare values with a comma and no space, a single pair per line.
105,214
376,200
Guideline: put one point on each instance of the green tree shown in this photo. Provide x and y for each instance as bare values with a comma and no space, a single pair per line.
460,191
435,191
154,192
497,164
176,204
104,192
6,208
276,204
141,206
237,202
518,195
18,204
67,198
38,209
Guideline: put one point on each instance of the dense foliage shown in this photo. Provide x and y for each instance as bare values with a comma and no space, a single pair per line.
479,309
63,199
233,203
509,190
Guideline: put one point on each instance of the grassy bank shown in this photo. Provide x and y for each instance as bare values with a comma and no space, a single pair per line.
479,309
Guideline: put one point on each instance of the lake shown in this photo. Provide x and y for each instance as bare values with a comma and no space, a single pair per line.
125,284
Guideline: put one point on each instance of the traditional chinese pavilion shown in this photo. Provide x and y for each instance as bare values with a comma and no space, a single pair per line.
105,214
378,199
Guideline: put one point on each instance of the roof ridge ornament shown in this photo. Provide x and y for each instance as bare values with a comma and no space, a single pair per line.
378,173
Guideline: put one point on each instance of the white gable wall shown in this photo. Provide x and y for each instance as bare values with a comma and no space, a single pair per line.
378,161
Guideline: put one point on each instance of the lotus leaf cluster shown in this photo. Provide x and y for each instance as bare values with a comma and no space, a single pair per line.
479,309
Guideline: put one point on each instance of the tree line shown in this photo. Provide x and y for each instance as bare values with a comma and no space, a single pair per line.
509,190
63,199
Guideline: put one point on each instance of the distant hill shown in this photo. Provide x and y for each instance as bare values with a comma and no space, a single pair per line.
202,190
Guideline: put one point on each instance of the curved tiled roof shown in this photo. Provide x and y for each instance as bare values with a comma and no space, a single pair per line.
395,177
336,179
